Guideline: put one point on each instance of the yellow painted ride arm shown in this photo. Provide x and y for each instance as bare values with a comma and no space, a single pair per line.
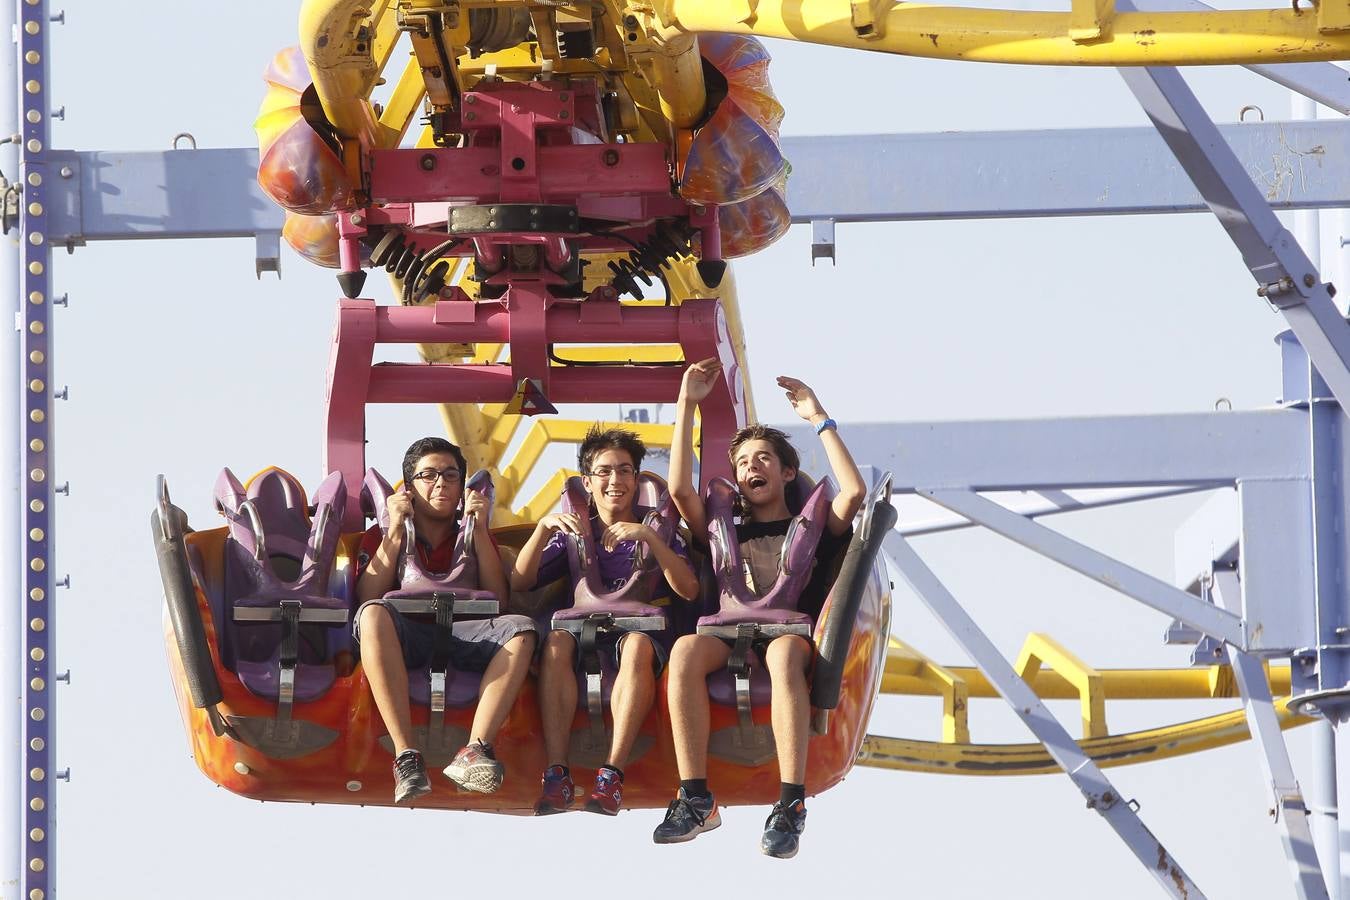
1091,33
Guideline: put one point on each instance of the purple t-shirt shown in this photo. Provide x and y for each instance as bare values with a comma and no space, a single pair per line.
615,566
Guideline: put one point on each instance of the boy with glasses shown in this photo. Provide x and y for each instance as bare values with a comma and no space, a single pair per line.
501,647
610,461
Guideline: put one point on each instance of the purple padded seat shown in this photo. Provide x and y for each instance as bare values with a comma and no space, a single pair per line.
745,617
270,528
280,616
417,586
596,610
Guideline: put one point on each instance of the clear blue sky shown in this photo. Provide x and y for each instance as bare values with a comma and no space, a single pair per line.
180,362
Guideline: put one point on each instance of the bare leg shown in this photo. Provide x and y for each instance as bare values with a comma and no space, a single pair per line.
557,694
695,656
382,657
500,685
787,659
631,698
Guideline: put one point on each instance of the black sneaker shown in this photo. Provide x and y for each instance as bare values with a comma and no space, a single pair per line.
410,777
782,830
686,818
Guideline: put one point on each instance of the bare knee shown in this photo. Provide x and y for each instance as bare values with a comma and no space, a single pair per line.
787,655
695,655
559,649
376,621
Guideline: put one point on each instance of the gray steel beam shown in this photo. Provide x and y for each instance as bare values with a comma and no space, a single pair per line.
1085,774
1070,172
1107,452
1009,174
1153,592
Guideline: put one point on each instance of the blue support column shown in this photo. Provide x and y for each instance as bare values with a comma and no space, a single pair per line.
35,321
11,621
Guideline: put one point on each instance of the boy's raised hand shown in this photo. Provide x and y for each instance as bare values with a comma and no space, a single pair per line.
802,398
699,379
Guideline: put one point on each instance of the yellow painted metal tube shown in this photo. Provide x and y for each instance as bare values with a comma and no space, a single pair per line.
679,80
1220,37
337,38
1213,682
931,757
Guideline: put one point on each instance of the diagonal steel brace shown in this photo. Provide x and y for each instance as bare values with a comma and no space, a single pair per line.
1203,617
1285,275
1101,795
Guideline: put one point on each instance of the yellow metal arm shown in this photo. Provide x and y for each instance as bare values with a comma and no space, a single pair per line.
1089,34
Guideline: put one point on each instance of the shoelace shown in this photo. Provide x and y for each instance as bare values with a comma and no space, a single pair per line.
779,819
689,809
407,765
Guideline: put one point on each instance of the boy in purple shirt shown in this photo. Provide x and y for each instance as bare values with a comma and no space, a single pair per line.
609,461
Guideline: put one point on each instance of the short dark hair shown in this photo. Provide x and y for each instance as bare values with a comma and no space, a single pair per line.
426,446
787,454
600,439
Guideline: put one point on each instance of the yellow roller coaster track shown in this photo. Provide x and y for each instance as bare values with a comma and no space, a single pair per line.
909,672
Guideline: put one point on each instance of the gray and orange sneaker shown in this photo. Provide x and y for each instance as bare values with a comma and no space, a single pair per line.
686,818
475,768
783,830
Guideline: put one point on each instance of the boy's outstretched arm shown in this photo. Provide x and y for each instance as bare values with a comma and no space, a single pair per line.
698,383
852,490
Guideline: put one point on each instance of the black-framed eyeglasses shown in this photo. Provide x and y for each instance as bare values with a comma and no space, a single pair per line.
623,471
431,476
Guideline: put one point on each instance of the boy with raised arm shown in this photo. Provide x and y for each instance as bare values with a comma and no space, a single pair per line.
610,461
391,644
764,462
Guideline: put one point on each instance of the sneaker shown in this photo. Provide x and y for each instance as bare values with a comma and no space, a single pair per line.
558,792
410,777
687,818
782,830
608,794
475,768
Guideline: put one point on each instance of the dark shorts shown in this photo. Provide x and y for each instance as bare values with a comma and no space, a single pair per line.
473,642
610,649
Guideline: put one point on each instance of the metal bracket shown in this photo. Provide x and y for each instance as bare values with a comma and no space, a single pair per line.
267,256
822,240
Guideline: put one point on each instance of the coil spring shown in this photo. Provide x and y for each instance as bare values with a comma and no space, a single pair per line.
413,267
648,258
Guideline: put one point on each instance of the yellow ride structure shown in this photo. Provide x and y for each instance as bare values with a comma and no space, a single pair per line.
647,59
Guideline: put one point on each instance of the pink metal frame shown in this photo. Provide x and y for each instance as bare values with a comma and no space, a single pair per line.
522,148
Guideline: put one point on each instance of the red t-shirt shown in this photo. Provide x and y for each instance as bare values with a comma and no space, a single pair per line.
436,560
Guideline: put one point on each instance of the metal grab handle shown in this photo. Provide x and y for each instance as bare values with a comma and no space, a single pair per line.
255,523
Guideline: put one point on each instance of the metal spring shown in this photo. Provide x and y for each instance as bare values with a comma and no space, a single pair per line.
648,258
412,267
